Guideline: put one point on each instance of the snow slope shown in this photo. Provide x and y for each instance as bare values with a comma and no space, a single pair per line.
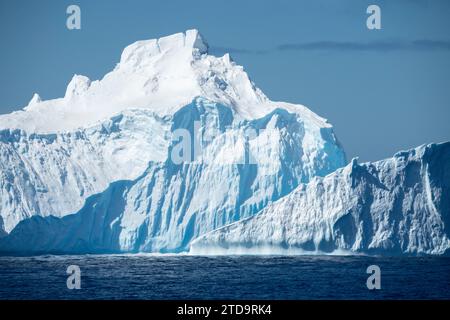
56,153
395,206
232,178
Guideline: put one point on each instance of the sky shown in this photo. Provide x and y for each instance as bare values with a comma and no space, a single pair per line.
383,90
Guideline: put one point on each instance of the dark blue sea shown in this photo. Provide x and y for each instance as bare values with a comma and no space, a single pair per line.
223,277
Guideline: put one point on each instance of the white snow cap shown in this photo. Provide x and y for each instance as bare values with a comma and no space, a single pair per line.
162,75
191,40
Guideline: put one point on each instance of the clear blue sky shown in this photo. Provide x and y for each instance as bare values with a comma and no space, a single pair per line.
383,90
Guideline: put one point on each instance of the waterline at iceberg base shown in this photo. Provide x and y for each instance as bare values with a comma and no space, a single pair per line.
93,172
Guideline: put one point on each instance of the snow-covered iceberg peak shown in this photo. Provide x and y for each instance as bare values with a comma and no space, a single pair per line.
191,41
161,75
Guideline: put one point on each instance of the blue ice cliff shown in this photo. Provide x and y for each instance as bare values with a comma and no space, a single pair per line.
396,206
171,204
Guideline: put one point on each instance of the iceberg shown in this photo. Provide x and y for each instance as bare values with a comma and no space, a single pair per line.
176,150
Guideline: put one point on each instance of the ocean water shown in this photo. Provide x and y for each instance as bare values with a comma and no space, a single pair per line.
223,277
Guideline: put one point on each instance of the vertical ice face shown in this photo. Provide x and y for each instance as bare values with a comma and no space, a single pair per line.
395,206
53,174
